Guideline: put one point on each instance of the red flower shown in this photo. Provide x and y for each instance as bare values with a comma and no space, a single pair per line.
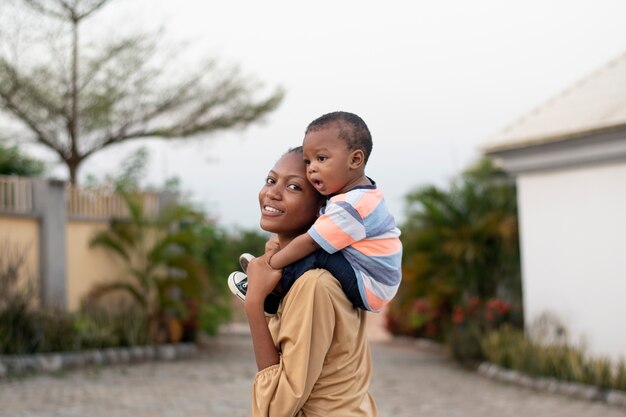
421,306
473,304
489,316
458,316
499,306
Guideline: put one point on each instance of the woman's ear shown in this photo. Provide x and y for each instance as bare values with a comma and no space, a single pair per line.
357,159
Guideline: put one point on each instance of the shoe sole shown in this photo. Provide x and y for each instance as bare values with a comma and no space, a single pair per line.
233,287
244,260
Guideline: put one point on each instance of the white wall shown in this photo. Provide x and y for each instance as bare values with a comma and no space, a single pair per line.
573,228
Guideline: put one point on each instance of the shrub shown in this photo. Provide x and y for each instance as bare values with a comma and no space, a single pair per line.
25,330
19,329
509,348
470,322
212,316
422,318
117,324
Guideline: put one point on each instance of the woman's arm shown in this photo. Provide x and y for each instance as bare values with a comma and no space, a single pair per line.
262,279
298,248
304,332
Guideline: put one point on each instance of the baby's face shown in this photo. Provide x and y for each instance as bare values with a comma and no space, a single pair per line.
327,158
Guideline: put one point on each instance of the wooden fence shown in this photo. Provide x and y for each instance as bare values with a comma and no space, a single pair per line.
16,195
105,203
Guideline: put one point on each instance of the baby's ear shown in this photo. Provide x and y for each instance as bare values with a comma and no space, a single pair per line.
357,159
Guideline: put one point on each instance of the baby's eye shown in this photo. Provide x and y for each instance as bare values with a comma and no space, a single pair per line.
270,180
307,162
322,158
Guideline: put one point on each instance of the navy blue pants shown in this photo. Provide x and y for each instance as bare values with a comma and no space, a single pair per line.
336,264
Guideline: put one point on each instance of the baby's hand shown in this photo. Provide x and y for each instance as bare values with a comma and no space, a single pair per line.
272,246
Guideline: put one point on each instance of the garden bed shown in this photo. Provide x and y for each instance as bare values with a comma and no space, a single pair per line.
570,389
18,365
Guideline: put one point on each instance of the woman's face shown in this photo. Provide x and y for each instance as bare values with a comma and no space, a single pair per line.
289,203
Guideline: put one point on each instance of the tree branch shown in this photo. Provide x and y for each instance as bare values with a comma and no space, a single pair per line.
72,11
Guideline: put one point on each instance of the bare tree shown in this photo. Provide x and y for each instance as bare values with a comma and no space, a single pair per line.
76,103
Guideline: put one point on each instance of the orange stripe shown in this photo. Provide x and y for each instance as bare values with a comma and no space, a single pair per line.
332,233
339,197
378,247
367,203
374,302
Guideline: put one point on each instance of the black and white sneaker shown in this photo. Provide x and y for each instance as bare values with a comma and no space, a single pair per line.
238,284
244,260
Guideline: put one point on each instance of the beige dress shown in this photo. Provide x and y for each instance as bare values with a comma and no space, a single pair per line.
325,362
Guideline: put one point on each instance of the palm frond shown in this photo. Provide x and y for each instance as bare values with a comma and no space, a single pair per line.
120,285
108,240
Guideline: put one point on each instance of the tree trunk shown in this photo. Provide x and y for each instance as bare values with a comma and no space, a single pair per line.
73,121
72,166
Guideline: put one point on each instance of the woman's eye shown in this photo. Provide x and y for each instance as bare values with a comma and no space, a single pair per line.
294,187
270,180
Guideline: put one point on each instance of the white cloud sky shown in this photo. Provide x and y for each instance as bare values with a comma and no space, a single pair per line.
433,80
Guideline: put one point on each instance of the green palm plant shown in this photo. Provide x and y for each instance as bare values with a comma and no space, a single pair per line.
163,269
460,242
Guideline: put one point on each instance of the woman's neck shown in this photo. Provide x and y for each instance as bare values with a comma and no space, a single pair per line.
285,238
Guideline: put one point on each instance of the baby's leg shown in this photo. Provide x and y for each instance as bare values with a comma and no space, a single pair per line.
341,269
292,272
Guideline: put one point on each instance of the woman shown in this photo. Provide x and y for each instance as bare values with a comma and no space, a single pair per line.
313,357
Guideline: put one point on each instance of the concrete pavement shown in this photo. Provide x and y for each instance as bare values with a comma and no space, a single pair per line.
408,381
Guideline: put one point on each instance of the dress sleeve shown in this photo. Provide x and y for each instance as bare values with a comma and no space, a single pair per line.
303,339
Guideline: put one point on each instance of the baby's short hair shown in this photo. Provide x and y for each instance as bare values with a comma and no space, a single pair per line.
295,149
352,130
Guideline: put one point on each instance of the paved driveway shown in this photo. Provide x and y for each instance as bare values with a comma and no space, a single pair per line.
408,382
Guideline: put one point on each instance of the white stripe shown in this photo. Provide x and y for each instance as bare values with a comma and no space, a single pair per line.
382,291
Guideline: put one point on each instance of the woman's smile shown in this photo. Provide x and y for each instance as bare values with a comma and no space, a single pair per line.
271,210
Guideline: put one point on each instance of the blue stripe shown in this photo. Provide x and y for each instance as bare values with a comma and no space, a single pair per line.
347,207
359,280
379,221
321,241
383,269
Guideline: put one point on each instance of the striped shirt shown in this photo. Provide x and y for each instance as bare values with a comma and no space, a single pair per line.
360,225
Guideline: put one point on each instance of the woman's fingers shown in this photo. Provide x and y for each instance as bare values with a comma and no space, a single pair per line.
262,279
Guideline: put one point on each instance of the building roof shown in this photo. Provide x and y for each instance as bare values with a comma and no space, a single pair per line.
597,103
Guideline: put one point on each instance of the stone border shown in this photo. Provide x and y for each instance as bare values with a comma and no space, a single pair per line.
16,365
570,389
551,385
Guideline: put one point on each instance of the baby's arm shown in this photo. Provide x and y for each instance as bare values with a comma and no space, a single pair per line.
298,248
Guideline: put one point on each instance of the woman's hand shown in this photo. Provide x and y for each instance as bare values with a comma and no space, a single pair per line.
262,280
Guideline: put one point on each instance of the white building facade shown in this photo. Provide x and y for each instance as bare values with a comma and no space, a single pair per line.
569,160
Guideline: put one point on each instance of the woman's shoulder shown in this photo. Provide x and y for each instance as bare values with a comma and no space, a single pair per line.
318,278
316,283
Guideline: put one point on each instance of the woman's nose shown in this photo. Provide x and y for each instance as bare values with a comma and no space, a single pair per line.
273,194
